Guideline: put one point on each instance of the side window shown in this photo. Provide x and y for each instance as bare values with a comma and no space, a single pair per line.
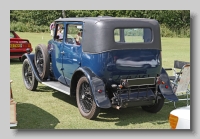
133,35
59,30
74,34
116,35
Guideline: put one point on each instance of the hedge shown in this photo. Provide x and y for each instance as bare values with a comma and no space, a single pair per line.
173,22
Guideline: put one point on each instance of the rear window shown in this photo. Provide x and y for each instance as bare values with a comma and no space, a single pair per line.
133,35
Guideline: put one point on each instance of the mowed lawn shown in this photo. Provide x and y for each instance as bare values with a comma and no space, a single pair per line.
47,108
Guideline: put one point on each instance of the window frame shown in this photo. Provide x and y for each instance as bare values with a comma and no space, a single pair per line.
123,35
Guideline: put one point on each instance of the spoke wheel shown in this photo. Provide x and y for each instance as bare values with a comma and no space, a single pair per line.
29,79
85,100
42,61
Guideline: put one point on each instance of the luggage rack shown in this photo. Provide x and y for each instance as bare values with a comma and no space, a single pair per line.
134,90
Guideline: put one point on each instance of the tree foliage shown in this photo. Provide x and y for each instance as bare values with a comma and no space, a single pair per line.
173,19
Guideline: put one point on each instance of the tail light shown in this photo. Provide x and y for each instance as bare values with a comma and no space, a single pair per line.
28,45
158,80
100,91
173,120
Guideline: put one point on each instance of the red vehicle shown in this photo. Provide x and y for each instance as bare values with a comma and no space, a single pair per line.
18,46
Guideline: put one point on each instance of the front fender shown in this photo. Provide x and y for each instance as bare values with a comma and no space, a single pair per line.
167,92
101,99
30,58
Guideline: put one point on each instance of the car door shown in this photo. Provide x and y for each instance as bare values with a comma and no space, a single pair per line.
56,47
71,51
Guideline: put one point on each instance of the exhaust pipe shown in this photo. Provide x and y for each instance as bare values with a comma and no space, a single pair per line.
116,107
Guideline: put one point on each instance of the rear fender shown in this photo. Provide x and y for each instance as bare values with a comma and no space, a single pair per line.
30,58
101,98
167,92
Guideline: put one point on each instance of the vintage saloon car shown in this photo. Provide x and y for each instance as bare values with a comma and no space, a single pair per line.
90,72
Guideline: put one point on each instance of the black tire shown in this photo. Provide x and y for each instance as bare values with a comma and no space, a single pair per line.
42,61
156,107
28,76
85,101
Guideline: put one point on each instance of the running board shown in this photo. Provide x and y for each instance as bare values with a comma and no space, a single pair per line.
57,86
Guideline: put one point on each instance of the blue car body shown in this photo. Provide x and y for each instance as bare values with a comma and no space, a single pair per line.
120,74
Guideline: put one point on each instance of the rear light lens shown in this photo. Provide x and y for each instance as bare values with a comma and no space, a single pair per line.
100,91
120,86
158,81
173,120
28,45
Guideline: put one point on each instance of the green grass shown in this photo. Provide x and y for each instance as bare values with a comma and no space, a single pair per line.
47,108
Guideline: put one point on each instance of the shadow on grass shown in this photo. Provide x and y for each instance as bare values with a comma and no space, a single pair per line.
134,115
15,62
122,117
45,89
127,116
66,98
32,117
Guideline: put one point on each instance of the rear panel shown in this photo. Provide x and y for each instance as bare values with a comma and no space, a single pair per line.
115,65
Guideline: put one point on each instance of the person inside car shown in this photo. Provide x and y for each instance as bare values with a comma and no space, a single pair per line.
79,38
60,34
